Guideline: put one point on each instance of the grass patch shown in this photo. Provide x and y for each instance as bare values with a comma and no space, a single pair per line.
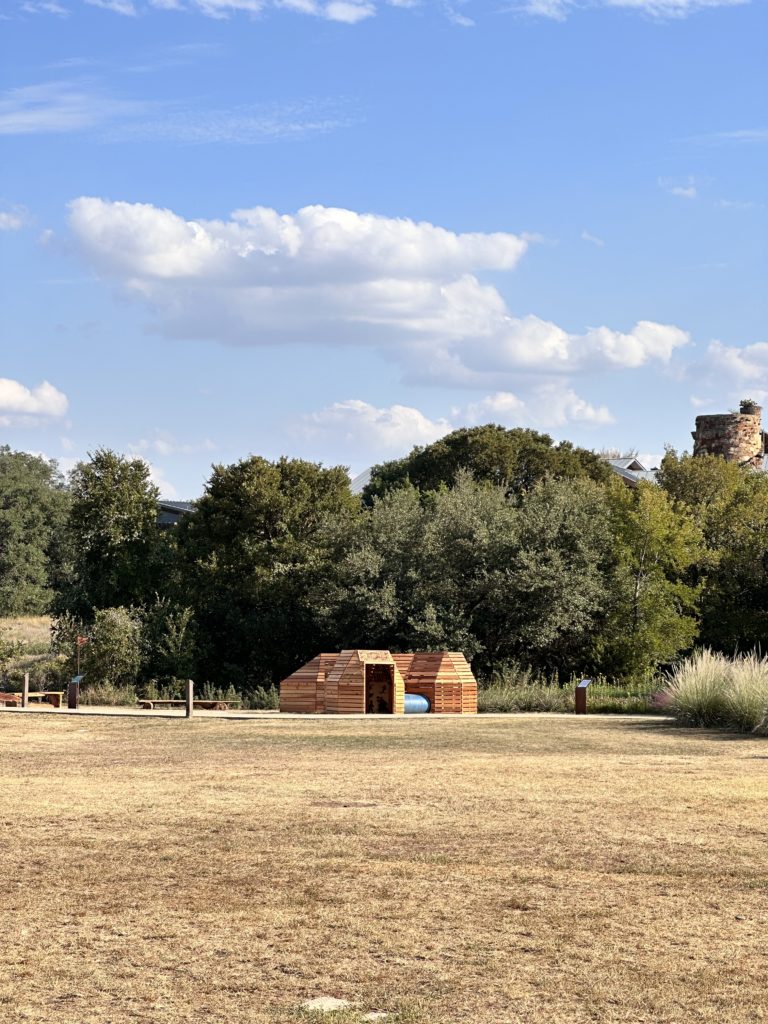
558,870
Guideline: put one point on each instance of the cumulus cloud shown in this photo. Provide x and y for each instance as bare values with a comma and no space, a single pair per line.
20,403
393,429
366,432
739,365
335,276
550,404
13,218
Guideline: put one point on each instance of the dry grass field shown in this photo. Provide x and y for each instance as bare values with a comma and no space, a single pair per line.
545,870
31,629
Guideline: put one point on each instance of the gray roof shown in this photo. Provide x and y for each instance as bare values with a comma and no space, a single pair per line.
360,481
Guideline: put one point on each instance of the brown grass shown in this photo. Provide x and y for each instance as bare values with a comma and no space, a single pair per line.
534,870
31,629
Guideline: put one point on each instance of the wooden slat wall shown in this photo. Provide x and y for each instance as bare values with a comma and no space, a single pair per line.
335,683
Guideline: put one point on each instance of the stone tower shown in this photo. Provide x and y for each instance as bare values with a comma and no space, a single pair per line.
736,436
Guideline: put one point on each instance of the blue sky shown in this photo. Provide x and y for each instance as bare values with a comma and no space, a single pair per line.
335,230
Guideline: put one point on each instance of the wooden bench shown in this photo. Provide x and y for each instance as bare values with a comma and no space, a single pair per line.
54,697
204,705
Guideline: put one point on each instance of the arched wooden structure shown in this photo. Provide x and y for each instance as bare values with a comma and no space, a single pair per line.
375,682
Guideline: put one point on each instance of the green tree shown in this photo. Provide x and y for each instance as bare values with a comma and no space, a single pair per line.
249,555
469,569
730,504
168,641
654,605
119,555
33,509
113,653
513,459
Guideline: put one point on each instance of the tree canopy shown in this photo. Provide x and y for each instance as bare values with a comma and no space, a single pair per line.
514,459
33,510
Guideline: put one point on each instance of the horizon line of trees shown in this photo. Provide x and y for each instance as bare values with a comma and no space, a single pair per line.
496,542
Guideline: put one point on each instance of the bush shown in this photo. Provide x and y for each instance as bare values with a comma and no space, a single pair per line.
114,652
262,699
711,690
747,696
529,696
108,695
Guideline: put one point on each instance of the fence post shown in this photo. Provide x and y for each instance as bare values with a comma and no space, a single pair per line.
73,693
25,691
190,697
580,697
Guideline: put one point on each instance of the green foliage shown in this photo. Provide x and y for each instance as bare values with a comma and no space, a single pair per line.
653,611
10,650
730,505
33,509
168,641
514,459
108,695
470,570
249,556
113,653
118,554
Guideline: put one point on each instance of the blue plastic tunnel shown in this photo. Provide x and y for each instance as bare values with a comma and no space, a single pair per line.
415,704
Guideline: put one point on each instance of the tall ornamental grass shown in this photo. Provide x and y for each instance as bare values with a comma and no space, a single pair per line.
711,690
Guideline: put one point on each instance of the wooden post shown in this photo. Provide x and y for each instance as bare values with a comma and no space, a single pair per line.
73,693
580,701
190,695
25,691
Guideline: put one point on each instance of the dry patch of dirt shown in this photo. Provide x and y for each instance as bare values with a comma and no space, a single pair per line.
545,871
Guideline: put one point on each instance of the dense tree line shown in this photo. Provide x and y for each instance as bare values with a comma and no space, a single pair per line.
496,542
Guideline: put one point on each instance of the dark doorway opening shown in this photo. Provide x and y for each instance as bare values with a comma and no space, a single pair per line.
379,689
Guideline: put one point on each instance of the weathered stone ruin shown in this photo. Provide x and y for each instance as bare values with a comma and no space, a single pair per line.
736,436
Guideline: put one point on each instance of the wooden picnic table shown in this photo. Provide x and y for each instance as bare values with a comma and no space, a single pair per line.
205,705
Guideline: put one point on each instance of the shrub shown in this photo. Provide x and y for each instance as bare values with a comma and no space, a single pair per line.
697,689
747,695
114,652
108,695
709,689
262,699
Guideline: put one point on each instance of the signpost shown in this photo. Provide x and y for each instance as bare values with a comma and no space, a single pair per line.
580,701
73,693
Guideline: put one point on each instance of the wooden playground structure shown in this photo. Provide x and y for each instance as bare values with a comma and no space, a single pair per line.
360,682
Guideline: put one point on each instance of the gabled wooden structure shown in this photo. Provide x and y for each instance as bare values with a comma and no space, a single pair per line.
375,682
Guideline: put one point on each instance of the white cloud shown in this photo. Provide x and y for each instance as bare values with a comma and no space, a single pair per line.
13,218
165,444
334,276
363,431
118,6
45,7
683,190
349,13
393,429
587,237
548,405
739,365
664,9
20,403
59,107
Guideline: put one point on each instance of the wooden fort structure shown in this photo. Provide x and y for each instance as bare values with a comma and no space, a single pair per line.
377,682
